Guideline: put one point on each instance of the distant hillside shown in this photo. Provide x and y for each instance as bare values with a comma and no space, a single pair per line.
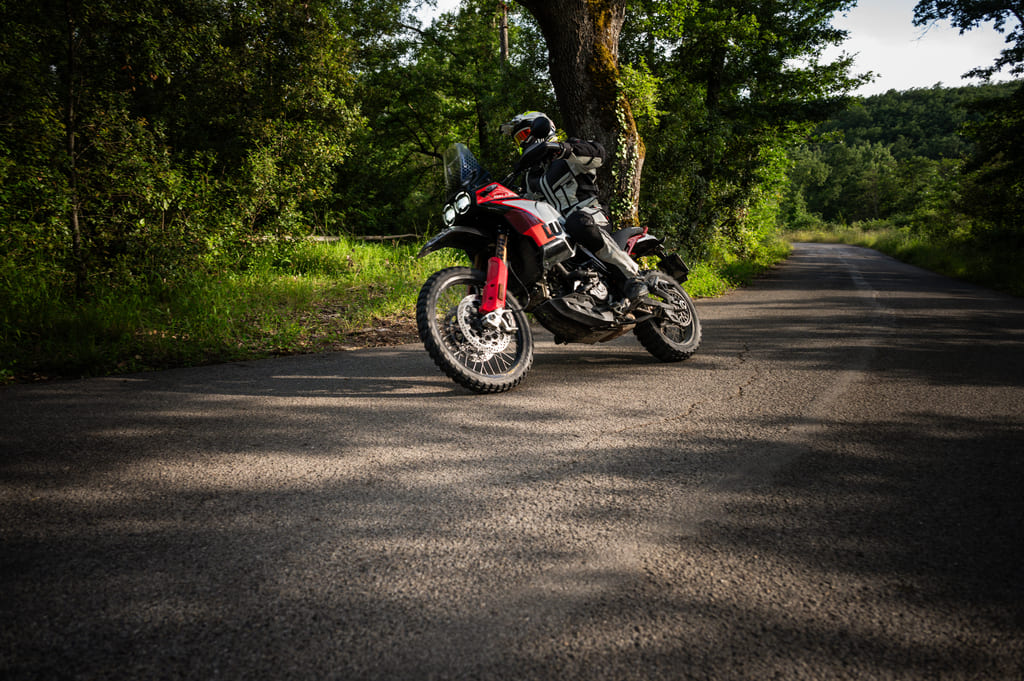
920,122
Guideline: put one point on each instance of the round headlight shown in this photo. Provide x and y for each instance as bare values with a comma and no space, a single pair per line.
463,202
448,214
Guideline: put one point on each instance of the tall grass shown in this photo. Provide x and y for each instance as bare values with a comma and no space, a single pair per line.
306,297
312,296
725,269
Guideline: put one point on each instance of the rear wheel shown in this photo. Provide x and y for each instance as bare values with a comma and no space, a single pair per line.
471,353
673,334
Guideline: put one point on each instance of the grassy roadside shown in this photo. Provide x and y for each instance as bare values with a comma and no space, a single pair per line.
320,297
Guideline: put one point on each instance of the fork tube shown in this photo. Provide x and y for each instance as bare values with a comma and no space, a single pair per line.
497,278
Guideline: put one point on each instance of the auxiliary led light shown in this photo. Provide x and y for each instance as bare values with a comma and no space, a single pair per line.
449,214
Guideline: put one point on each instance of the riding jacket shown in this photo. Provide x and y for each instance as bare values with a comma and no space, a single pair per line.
569,181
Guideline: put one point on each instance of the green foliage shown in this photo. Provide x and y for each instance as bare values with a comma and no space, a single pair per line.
840,181
956,215
724,270
167,134
444,83
968,14
884,162
738,84
163,161
302,298
203,130
922,122
994,186
640,87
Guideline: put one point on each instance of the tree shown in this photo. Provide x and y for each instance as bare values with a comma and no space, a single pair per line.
923,159
87,57
439,84
741,82
583,45
995,185
967,15
166,130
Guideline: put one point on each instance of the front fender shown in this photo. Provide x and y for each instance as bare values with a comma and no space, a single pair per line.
468,239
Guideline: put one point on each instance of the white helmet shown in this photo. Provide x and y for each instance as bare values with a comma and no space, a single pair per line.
522,128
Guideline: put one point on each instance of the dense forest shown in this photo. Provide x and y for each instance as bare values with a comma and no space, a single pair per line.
138,141
899,156
933,175
148,146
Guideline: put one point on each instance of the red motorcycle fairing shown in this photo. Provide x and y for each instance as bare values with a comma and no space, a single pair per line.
539,221
494,192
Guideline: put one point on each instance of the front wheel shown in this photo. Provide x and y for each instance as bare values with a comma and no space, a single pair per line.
473,354
673,334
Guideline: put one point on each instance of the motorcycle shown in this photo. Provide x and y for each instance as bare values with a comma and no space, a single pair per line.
473,320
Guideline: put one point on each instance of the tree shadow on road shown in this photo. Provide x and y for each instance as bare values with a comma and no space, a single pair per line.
314,542
876,550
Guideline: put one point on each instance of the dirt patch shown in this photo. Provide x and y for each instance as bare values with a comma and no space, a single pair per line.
393,331
323,330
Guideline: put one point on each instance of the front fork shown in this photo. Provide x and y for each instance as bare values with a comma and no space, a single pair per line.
496,287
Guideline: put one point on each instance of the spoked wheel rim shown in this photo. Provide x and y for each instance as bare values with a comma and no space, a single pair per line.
677,324
485,351
474,354
673,333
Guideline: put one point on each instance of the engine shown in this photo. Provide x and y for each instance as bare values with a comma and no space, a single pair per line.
590,283
580,312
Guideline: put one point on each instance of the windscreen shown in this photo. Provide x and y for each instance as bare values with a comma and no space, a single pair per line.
462,172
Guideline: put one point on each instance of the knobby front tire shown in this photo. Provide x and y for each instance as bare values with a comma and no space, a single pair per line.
477,358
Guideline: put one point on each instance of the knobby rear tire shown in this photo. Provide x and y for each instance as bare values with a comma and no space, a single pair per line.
670,340
483,361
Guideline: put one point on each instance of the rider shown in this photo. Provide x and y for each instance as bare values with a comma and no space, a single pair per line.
565,175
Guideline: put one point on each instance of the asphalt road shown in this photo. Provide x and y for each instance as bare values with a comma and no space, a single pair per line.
832,488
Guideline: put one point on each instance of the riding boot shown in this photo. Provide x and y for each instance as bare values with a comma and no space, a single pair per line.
633,286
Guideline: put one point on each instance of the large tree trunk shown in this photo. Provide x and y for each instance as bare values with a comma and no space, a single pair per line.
583,53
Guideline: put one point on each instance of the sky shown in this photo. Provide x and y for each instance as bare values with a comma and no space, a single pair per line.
901,55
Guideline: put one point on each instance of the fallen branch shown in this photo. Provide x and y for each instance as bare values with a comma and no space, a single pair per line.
383,237
389,237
